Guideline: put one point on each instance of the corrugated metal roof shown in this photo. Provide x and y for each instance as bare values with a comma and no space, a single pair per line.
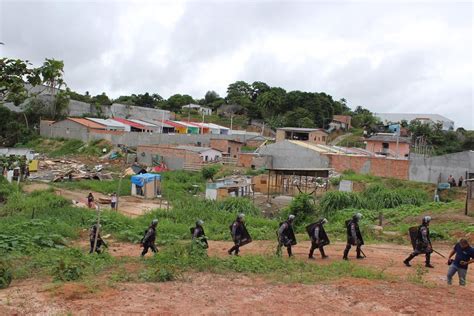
107,122
301,129
87,123
129,123
196,148
143,123
389,138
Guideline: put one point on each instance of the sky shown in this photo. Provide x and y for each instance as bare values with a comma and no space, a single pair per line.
388,56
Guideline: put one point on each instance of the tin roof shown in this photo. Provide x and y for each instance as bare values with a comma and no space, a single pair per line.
86,123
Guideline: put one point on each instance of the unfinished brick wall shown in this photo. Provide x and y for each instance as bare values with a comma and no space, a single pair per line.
170,153
382,167
245,160
254,143
228,147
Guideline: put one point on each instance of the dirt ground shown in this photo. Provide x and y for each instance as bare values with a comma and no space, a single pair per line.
210,294
128,205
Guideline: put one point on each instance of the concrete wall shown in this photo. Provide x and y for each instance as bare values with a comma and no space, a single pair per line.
68,129
377,166
288,155
430,169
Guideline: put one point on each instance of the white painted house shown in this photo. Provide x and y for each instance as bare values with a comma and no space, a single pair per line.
201,109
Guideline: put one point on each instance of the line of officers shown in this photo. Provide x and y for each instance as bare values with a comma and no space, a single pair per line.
285,236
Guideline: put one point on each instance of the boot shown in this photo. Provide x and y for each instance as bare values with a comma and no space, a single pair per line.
407,260
359,255
346,252
290,253
323,254
427,263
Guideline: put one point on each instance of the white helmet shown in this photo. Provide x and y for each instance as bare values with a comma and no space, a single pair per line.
154,222
324,221
199,222
291,217
241,216
358,215
426,219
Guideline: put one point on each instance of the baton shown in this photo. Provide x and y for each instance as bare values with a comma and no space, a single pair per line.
363,253
438,253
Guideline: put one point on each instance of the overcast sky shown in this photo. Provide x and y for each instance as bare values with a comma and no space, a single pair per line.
389,56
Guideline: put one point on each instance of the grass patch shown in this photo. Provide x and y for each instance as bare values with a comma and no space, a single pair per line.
179,258
104,187
58,147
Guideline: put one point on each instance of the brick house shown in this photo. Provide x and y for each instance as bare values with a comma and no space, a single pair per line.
388,145
229,148
310,135
177,158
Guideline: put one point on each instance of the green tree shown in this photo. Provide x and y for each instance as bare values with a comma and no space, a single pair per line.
271,102
175,102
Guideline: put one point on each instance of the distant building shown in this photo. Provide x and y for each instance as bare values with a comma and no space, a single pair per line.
110,124
201,109
177,157
311,135
340,122
388,118
230,148
388,145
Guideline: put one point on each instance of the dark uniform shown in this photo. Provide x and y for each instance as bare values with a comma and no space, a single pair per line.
100,242
319,238
286,237
199,236
148,241
354,237
239,234
421,243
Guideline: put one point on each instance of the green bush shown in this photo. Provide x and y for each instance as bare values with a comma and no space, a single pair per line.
238,205
303,207
209,172
6,275
336,200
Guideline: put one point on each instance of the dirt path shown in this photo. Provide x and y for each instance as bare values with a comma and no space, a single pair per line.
129,205
386,257
211,294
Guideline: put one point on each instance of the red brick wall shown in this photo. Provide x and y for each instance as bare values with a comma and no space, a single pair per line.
245,160
224,144
254,143
382,167
376,147
171,152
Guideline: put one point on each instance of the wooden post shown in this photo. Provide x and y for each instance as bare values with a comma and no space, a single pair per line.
268,186
97,228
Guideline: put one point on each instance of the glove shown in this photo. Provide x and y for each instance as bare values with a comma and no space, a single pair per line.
450,261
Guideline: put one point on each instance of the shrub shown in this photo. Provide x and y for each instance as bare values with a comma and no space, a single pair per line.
209,172
336,200
5,275
302,206
238,205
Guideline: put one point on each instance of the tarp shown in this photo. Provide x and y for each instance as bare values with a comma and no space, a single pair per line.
141,179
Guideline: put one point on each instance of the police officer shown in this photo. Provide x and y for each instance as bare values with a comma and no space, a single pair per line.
354,237
93,232
199,236
239,234
148,240
422,243
286,236
319,238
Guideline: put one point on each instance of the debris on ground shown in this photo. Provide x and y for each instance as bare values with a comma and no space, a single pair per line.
58,170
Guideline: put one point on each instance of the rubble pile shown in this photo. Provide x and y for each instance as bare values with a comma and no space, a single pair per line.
57,170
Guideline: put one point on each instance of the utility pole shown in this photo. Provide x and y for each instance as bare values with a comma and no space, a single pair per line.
121,177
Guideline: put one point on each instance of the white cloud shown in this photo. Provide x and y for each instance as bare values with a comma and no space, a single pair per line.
390,56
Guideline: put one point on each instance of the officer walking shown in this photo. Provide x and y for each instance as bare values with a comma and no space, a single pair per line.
239,234
354,236
148,240
319,238
420,238
286,236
